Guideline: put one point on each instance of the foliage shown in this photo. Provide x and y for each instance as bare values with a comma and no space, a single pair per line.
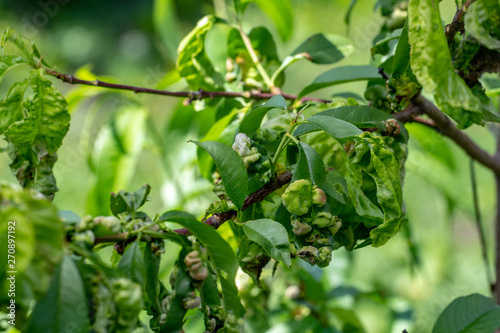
295,178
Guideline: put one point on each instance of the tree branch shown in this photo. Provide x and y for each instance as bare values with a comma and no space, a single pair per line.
195,95
449,129
216,220
457,25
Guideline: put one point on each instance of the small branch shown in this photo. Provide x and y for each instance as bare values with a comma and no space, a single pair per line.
256,60
457,25
217,220
449,129
200,94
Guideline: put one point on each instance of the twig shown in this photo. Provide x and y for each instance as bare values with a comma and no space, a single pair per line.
457,25
479,225
200,94
217,220
461,139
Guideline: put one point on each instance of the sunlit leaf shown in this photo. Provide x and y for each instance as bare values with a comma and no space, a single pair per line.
8,62
11,107
253,119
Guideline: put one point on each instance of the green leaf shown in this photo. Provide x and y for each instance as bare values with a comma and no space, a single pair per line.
334,178
310,166
262,42
319,50
231,168
193,63
384,46
129,201
347,17
166,26
481,22
338,129
11,107
272,236
340,75
8,62
39,236
115,156
64,305
469,314
281,12
213,134
34,140
349,319
152,282
431,64
132,263
22,43
241,5
253,119
221,253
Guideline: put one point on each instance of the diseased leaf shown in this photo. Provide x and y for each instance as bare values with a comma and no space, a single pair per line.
193,63
253,119
431,64
281,12
64,305
34,140
39,235
319,50
310,166
469,314
11,107
481,22
221,253
343,74
272,236
8,62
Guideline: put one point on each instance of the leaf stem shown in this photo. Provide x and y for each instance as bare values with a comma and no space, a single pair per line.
256,61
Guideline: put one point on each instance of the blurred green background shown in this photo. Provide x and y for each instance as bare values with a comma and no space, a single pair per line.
134,42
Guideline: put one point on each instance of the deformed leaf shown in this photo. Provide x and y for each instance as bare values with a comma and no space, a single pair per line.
431,64
221,253
342,74
193,63
310,166
469,314
253,119
231,168
272,236
8,62
11,107
481,22
34,139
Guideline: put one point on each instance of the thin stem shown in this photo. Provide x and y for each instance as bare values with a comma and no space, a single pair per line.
200,94
479,225
256,60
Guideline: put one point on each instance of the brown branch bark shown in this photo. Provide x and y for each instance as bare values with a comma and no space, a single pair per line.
457,25
216,220
449,129
195,95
